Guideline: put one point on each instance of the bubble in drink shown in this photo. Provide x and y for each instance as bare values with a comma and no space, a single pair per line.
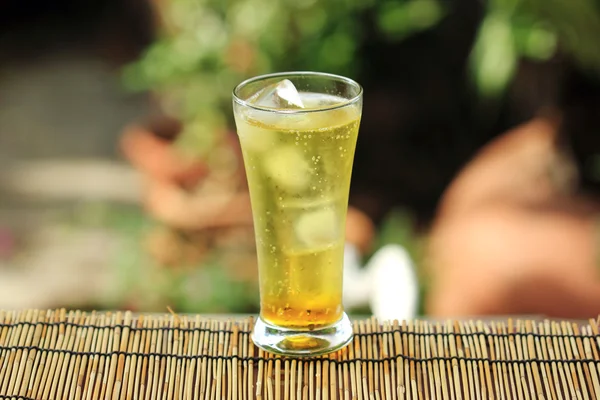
280,95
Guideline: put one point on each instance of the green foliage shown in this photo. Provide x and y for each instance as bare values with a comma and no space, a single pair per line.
398,19
145,286
206,47
534,29
494,55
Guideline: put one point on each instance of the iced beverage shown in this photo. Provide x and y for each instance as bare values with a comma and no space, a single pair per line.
298,147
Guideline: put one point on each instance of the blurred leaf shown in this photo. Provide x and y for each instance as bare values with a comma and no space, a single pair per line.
337,51
301,4
199,136
312,22
538,43
400,19
249,18
494,59
399,228
507,7
393,18
577,25
535,29
396,228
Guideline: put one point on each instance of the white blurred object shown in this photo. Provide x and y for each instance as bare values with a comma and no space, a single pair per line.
395,286
388,283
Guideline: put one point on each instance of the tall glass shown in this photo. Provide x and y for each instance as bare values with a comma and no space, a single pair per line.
298,153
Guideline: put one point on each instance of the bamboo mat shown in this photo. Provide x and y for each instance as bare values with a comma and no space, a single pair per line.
73,355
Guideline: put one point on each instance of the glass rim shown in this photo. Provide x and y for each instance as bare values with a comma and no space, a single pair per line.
336,106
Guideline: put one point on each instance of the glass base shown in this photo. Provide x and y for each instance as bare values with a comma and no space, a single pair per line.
292,342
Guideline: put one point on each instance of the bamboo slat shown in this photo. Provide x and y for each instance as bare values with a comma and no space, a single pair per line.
59,354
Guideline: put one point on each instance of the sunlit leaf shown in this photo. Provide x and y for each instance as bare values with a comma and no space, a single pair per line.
577,23
399,19
337,51
312,22
493,59
537,43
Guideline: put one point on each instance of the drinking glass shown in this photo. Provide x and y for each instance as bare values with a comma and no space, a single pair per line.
298,133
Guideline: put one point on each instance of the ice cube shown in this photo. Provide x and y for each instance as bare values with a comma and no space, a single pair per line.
282,94
288,168
318,227
255,138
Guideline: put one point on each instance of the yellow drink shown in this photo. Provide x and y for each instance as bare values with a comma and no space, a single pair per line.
299,168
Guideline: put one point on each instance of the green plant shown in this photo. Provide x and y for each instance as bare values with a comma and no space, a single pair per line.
206,47
533,29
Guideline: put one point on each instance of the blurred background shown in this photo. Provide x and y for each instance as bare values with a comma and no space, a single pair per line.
121,181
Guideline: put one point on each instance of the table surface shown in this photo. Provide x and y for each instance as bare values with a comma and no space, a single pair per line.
52,354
